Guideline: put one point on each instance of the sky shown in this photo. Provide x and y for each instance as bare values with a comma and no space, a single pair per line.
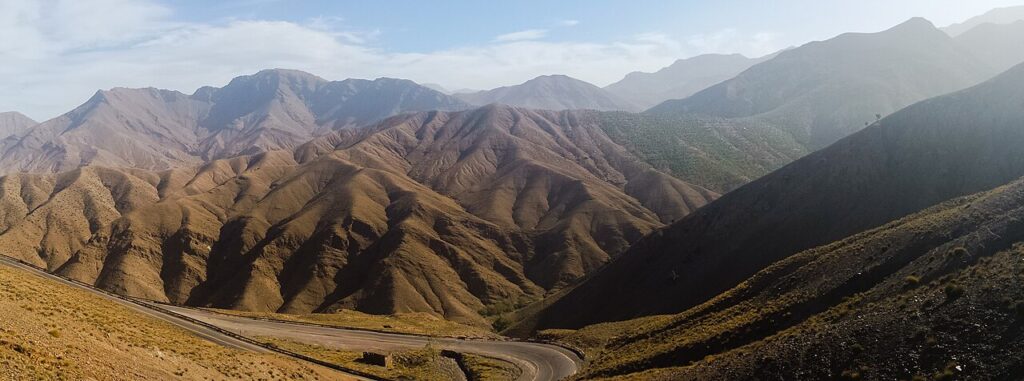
54,54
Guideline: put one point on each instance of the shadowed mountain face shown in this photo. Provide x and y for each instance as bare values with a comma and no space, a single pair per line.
823,91
903,300
932,151
552,92
13,123
159,129
681,79
451,213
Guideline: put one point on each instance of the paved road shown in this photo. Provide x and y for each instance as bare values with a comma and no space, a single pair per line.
539,361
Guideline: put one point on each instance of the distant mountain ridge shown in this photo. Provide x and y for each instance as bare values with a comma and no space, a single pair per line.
996,45
1006,15
552,92
160,129
823,91
682,79
12,123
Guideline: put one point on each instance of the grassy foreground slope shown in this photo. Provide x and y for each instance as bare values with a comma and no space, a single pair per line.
414,323
935,295
54,332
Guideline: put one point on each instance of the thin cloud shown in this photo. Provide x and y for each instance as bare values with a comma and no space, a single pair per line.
523,35
48,73
569,22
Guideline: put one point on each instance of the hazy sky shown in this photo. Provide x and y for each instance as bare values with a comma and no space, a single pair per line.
54,54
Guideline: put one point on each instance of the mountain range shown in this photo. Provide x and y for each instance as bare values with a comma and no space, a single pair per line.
161,129
682,79
552,92
823,91
938,149
1005,15
849,208
443,212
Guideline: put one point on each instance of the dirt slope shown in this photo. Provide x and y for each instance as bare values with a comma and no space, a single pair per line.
54,332
450,213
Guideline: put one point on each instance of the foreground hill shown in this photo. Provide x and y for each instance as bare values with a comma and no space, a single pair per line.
933,151
552,92
452,213
54,332
160,129
681,79
823,91
936,295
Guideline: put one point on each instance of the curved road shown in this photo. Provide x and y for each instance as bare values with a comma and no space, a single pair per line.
542,362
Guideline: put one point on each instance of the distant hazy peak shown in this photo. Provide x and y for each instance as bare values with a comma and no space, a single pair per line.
681,79
15,115
551,92
13,122
1006,15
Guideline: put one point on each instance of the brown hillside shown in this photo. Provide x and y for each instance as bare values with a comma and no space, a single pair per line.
501,205
55,332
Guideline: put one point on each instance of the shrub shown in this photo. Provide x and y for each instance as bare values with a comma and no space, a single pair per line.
1018,307
501,323
947,374
852,375
912,281
954,291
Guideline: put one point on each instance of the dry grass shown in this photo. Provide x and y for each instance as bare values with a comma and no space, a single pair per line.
417,323
54,332
491,369
425,364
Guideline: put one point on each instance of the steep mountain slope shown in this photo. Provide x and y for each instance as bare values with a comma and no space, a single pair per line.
823,91
144,128
12,123
551,92
932,151
681,79
936,294
55,332
1007,15
997,45
277,109
453,213
714,153
159,129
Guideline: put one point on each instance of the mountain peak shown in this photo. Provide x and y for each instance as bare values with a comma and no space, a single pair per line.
551,92
13,122
918,24
287,74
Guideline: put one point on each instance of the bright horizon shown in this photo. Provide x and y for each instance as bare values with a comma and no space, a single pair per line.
56,54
